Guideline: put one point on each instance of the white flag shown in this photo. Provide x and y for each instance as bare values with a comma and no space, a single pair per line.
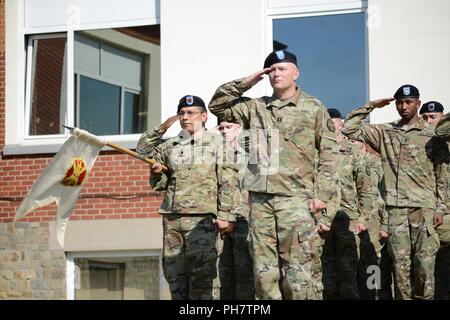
63,179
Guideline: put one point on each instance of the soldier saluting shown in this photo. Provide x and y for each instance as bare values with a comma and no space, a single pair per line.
409,189
202,192
293,129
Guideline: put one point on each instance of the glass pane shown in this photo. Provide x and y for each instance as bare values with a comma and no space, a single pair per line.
128,278
48,101
135,119
121,58
99,107
331,54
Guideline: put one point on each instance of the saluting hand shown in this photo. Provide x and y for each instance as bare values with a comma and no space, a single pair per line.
169,122
380,103
254,78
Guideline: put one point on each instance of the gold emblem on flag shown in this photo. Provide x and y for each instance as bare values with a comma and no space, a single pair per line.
76,173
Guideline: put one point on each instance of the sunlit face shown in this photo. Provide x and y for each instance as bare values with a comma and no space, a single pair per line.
432,117
192,119
338,124
283,75
407,108
229,130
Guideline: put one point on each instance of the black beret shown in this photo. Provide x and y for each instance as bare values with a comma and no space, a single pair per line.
406,91
191,101
334,113
431,106
280,56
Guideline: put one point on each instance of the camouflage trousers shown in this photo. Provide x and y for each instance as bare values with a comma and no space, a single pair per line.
374,253
189,255
413,244
340,260
442,270
283,238
385,292
235,265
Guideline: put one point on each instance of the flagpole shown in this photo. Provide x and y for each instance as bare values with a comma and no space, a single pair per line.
126,151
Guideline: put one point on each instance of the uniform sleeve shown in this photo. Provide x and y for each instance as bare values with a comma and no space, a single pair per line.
364,188
227,104
159,181
355,129
441,167
229,201
327,178
442,129
149,140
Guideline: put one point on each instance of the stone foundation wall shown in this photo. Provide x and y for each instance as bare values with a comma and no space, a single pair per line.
28,268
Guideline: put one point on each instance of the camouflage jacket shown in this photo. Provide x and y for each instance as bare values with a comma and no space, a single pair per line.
200,179
149,140
406,152
284,135
376,205
442,129
354,182
442,160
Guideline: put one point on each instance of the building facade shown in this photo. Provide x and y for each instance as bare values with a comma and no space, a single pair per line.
117,68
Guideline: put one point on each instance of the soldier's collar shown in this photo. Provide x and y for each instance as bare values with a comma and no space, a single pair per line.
278,103
420,125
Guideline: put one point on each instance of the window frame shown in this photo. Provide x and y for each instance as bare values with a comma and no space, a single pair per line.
17,31
70,266
308,10
29,86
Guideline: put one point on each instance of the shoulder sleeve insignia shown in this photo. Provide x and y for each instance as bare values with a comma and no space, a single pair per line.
330,125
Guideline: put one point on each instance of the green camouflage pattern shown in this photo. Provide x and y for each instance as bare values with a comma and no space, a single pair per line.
341,250
200,179
235,264
413,243
284,241
189,255
442,129
409,177
284,138
149,140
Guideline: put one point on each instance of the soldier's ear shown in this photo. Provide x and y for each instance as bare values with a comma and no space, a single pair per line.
296,73
204,117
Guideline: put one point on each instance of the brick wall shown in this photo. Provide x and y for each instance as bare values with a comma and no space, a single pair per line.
117,188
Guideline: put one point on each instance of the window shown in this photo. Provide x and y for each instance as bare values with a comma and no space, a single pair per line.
112,276
47,84
112,74
331,51
109,82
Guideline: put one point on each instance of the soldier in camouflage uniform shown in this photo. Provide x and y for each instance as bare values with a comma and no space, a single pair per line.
374,252
443,255
201,194
409,186
286,131
432,112
341,250
235,263
154,137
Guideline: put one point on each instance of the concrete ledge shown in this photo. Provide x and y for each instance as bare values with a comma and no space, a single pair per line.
107,235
